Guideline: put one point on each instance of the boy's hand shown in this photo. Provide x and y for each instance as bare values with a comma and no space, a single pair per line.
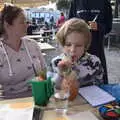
64,65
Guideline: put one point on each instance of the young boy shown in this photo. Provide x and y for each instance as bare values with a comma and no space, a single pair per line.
75,38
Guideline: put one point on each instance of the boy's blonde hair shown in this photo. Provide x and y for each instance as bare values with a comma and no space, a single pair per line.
74,25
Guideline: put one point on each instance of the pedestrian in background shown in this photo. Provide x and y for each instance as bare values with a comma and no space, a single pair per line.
61,20
98,15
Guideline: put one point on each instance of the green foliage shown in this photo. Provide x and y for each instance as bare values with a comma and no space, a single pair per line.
52,0
63,4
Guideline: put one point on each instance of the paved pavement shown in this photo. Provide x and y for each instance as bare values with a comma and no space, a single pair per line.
113,64
112,58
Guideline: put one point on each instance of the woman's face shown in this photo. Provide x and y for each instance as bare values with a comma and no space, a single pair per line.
74,45
19,26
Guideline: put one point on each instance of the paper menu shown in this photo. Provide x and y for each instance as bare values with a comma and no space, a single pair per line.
10,113
95,95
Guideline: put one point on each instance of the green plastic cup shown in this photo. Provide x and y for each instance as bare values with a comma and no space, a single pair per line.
42,91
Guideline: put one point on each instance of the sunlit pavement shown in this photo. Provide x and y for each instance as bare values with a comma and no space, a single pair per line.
113,64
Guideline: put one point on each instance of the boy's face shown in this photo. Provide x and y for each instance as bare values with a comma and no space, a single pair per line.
74,45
